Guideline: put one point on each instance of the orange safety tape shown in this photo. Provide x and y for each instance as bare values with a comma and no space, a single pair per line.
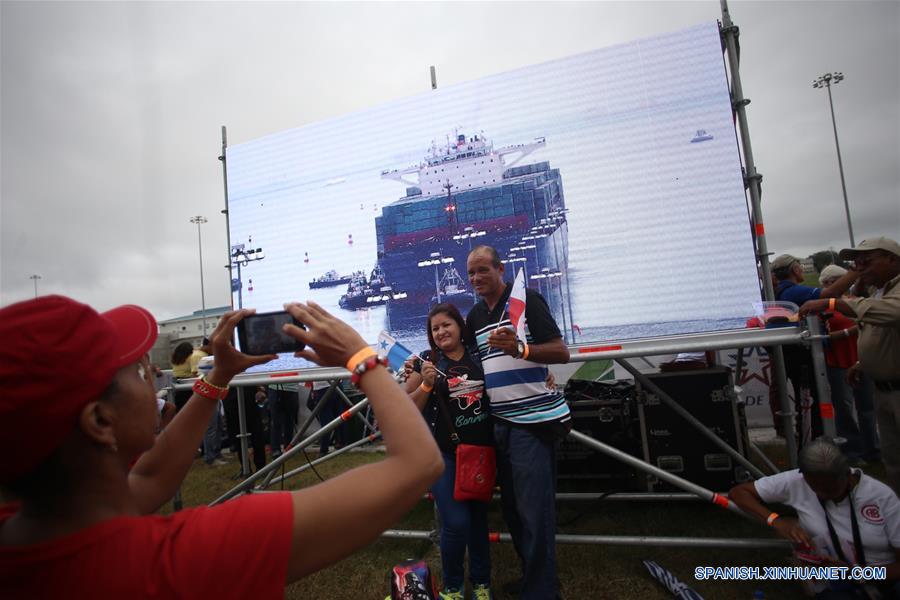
760,230
598,349
275,375
720,500
346,415
827,411
493,537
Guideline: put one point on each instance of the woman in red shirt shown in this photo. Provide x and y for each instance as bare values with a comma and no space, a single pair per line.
74,415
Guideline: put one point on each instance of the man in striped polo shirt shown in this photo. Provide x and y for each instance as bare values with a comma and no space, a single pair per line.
529,418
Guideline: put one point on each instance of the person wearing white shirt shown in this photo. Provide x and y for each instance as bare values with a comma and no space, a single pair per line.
844,517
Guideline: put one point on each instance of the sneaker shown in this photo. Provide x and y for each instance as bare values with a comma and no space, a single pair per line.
450,594
217,463
482,592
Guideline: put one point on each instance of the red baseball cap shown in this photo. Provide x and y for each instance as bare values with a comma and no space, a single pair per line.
56,356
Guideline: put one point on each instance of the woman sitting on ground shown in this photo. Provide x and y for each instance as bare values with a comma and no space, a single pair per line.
72,422
448,386
845,517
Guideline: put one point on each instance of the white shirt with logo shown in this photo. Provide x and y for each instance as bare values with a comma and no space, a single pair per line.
877,514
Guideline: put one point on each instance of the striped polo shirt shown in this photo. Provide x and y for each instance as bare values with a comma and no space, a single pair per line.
517,387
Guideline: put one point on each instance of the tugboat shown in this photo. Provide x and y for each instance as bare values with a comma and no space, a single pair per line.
365,293
451,288
701,136
469,192
329,279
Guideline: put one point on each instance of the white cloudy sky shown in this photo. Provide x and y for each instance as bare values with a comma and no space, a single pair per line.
110,115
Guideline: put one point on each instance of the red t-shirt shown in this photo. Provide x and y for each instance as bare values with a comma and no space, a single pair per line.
840,353
238,549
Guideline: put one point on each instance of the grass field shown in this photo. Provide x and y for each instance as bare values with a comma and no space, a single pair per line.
585,571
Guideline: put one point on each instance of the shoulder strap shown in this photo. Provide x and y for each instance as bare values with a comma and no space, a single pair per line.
854,525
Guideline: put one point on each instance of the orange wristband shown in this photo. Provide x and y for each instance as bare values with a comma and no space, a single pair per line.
425,388
360,356
831,304
771,519
525,352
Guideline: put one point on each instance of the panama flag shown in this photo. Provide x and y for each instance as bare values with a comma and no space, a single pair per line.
395,352
517,305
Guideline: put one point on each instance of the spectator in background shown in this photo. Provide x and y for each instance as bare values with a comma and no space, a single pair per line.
330,411
283,406
185,366
253,420
788,273
181,369
877,260
856,426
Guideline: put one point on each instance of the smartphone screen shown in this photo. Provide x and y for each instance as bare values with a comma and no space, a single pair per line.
262,333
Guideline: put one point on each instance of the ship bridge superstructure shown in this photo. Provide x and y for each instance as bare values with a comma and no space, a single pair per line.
461,164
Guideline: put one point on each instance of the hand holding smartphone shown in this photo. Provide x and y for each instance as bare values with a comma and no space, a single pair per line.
263,333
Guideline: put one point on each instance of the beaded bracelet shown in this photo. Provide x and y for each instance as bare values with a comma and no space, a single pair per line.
365,366
209,390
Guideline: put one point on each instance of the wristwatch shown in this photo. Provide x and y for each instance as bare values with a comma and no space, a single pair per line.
520,349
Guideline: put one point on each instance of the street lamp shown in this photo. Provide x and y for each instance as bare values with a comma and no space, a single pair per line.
241,258
825,81
198,221
35,278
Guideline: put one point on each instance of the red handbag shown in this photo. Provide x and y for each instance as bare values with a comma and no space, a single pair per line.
476,472
476,466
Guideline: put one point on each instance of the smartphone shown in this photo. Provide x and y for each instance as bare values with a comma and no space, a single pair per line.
262,333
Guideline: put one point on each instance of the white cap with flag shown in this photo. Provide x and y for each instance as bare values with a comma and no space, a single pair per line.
395,352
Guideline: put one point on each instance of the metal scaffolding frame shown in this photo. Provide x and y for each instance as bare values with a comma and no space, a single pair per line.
260,481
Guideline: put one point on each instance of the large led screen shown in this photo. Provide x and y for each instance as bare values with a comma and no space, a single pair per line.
612,178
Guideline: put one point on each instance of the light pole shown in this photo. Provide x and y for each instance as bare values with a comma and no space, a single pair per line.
825,81
241,257
200,220
35,278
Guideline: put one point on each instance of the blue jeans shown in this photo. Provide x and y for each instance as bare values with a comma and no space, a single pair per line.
212,439
462,524
526,470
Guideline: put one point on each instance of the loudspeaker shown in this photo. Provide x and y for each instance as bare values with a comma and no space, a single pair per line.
606,411
674,445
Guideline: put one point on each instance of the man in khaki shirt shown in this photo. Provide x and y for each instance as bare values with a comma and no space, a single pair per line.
878,262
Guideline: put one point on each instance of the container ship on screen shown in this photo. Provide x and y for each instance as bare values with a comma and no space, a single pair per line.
463,194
